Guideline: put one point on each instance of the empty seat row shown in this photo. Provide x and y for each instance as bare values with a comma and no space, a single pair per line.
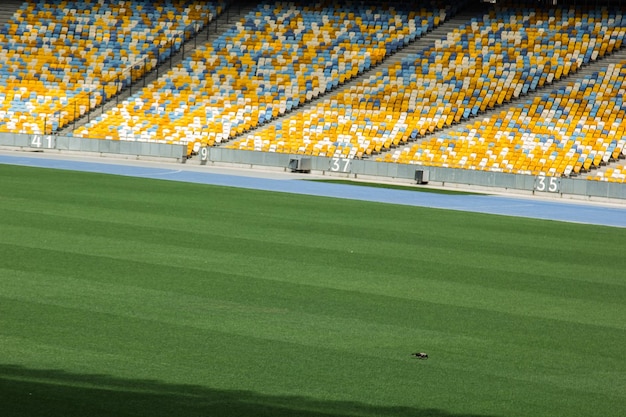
475,67
84,52
569,130
277,57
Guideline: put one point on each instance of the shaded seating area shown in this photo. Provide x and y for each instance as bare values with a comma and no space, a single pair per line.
615,173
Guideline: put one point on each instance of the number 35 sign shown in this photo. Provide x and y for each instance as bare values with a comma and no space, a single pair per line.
547,184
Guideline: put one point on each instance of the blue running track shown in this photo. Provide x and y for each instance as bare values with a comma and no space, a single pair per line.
549,209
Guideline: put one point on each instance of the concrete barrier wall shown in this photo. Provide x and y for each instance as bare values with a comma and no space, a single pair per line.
437,175
330,166
113,147
15,139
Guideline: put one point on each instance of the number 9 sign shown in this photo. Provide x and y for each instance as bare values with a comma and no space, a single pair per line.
204,155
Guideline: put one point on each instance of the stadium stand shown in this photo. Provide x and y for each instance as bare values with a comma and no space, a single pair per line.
572,129
478,98
59,59
273,60
615,173
7,10
486,63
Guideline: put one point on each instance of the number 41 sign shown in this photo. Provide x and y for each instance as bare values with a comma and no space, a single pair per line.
45,141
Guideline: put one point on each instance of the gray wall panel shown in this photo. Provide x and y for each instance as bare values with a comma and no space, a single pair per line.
568,186
70,143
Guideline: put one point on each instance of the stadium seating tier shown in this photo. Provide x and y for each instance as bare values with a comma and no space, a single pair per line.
270,62
62,58
478,66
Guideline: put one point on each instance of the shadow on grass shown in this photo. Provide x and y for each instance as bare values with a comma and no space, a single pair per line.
399,187
52,393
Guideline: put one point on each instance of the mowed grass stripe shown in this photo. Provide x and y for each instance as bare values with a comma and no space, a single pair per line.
311,296
100,318
324,313
347,229
441,280
424,284
167,346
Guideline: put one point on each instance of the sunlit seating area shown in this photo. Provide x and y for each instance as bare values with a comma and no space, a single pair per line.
276,58
58,59
570,130
614,173
480,65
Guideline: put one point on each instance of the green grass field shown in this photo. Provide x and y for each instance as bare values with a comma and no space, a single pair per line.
131,297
